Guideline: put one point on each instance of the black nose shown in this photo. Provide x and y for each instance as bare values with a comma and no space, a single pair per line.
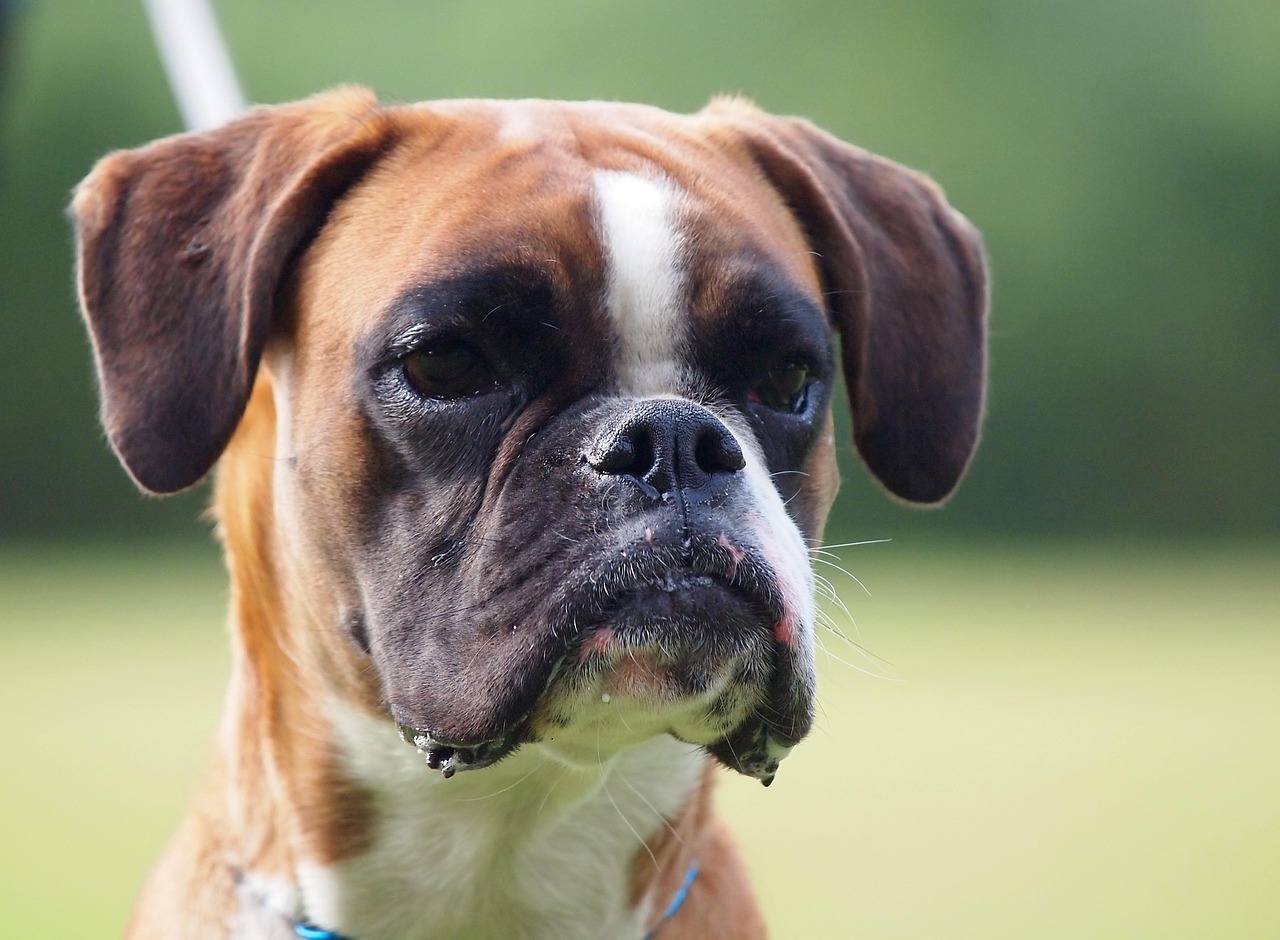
667,444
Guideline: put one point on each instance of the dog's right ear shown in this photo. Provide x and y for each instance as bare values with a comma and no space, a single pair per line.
182,246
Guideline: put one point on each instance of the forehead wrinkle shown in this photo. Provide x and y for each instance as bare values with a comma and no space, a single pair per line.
643,248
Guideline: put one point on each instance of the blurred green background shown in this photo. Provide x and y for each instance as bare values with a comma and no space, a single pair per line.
1079,734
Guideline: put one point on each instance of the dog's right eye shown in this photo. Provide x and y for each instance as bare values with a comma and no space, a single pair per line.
448,369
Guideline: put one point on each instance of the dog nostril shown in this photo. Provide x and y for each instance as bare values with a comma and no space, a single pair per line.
629,453
616,458
717,451
643,455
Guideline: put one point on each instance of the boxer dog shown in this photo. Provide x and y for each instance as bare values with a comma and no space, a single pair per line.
521,412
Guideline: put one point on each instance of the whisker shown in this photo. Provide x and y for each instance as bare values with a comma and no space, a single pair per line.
604,783
511,786
856,668
835,598
551,789
856,544
844,571
643,799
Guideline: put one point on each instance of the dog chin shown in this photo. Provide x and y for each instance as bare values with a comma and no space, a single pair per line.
681,653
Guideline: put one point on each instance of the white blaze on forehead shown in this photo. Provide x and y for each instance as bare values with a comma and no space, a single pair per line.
642,244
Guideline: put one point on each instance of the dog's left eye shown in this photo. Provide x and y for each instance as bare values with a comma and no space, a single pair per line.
784,388
448,369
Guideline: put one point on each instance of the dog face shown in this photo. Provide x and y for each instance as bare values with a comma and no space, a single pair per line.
552,390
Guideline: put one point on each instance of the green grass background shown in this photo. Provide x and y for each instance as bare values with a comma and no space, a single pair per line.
1030,741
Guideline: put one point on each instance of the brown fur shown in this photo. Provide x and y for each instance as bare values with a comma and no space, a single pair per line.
720,902
204,255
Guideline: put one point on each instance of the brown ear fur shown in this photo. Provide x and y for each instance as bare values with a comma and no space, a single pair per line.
905,279
182,245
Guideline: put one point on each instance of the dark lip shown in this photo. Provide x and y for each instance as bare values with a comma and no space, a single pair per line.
450,757
685,616
640,568
612,579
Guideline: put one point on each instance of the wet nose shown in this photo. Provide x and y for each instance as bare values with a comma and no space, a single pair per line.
667,444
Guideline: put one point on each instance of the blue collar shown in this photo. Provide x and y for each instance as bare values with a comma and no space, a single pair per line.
681,893
307,931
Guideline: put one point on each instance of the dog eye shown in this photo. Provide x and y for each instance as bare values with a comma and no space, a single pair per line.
448,369
784,389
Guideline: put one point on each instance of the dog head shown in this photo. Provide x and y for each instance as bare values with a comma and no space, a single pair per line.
551,389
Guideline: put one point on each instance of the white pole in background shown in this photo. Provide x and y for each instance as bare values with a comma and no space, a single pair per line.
195,59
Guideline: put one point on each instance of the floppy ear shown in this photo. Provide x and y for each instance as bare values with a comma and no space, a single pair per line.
905,283
182,245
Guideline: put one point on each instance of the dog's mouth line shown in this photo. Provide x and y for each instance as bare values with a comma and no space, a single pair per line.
673,581
614,595
698,562
666,621
672,586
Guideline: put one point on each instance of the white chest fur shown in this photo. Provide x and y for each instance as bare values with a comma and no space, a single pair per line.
530,848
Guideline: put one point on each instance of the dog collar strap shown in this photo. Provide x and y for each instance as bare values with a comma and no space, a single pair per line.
308,931
681,893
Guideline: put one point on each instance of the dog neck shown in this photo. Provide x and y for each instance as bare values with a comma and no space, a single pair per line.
533,847
335,820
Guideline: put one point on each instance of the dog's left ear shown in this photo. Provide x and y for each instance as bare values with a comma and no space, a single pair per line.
905,282
182,245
